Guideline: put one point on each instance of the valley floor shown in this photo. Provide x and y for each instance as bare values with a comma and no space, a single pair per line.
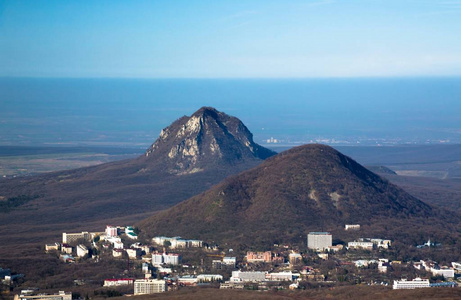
354,292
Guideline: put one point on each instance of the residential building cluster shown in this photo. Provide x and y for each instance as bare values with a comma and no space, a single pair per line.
225,262
74,243
161,262
435,269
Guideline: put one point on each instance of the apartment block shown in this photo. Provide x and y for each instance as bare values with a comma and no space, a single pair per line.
319,240
149,286
74,237
254,257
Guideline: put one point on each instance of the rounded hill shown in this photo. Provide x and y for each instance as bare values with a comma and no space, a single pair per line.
311,187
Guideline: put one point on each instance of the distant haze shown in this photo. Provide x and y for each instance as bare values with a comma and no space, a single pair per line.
132,112
230,39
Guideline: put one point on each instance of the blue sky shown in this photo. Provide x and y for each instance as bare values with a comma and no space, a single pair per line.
230,39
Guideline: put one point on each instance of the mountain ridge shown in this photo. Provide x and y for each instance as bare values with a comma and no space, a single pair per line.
146,183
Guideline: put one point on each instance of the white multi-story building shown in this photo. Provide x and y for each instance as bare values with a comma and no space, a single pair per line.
435,269
61,296
249,276
111,231
281,276
82,250
149,286
157,259
74,237
319,240
171,259
445,272
164,258
411,284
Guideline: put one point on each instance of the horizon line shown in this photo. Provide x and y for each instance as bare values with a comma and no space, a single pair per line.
236,78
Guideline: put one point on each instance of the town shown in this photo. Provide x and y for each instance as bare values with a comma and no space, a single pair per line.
163,264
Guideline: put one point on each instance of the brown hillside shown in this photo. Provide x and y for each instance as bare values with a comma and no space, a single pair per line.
311,187
190,155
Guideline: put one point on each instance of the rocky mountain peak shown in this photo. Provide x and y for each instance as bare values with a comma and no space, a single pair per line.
207,137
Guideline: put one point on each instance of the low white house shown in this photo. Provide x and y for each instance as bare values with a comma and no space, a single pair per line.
118,282
133,253
352,227
118,253
360,245
51,247
65,248
209,277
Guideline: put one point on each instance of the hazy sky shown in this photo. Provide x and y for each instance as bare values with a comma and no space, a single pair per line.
158,39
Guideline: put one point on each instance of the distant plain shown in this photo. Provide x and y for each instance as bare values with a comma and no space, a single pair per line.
431,173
